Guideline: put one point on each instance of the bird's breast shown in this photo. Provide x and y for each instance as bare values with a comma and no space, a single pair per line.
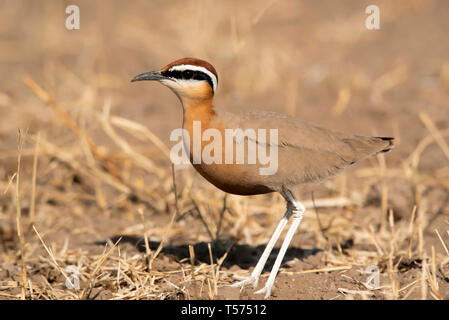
218,158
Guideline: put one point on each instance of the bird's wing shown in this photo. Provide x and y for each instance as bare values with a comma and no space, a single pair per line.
314,152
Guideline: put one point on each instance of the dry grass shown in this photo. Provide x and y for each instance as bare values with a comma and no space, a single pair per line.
92,161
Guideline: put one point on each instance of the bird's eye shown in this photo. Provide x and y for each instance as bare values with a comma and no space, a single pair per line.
188,74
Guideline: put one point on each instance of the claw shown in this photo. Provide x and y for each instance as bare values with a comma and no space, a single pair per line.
266,290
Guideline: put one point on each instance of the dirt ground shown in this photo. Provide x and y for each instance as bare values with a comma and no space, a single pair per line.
87,191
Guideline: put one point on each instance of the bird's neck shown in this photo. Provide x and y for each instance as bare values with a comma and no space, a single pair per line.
197,117
197,110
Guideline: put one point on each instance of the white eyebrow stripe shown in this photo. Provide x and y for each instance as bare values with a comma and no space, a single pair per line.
183,67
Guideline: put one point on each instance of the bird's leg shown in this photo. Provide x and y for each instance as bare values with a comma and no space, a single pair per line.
298,213
254,277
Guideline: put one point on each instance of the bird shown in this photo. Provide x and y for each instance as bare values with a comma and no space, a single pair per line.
305,153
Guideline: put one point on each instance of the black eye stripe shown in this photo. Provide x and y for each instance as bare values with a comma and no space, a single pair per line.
188,75
176,74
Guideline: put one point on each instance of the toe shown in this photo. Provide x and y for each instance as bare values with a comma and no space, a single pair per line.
243,282
237,277
265,290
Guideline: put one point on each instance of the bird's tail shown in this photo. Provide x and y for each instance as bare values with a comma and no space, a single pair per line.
389,146
363,147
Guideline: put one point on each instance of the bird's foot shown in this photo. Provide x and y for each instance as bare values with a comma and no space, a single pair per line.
252,279
266,289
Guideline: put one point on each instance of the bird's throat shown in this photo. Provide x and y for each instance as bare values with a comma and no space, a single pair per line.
198,111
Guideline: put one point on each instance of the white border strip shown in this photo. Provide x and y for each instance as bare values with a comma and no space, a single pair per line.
183,67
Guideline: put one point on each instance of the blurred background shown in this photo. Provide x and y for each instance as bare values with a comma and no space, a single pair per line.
101,157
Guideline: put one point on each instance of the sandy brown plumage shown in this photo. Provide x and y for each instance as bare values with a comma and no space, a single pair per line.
306,153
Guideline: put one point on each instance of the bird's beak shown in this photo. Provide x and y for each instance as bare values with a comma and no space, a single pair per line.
152,75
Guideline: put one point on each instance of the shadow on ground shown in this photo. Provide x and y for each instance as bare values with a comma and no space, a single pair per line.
244,256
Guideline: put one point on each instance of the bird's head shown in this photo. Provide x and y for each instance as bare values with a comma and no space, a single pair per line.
188,78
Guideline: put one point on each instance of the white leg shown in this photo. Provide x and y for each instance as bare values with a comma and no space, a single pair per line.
298,213
254,277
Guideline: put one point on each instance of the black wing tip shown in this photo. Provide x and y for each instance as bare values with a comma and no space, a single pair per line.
386,138
390,144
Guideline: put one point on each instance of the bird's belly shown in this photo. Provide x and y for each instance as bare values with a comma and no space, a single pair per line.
234,178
